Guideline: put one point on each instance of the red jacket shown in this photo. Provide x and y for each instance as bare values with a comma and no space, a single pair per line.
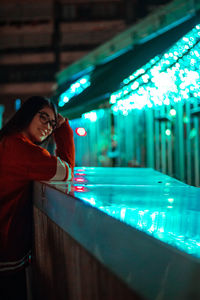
22,162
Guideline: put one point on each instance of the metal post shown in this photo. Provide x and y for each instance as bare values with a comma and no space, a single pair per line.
149,138
196,149
188,144
169,145
179,143
157,141
163,141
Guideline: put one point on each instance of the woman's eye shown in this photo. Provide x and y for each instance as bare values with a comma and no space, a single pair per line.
44,118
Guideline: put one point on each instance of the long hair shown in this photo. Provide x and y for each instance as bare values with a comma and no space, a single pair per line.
23,117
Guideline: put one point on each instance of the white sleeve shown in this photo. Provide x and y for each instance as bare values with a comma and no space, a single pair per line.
61,170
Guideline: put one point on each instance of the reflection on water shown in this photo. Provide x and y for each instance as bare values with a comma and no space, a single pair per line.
171,216
145,199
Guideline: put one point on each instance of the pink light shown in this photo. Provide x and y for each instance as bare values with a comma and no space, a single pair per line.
81,131
79,179
79,189
80,174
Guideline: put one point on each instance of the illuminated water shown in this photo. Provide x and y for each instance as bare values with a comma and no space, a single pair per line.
147,200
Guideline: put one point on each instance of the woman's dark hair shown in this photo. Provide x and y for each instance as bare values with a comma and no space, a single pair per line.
25,114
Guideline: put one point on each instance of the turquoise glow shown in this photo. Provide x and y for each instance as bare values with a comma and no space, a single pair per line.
93,115
75,89
162,213
165,80
17,104
168,132
169,212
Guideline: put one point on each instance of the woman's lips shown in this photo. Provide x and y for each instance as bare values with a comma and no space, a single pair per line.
42,132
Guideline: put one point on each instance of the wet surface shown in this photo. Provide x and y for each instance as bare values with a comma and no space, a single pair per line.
145,199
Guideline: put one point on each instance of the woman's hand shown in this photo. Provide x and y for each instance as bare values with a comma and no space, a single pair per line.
60,120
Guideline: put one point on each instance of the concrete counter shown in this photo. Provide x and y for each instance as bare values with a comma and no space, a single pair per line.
141,225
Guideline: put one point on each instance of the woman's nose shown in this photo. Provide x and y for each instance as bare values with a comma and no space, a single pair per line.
48,127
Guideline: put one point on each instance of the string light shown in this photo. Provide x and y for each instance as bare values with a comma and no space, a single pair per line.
166,79
75,89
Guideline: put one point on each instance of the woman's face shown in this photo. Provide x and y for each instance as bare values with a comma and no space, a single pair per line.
41,125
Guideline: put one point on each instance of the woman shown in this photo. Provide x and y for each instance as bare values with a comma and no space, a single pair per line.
22,161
